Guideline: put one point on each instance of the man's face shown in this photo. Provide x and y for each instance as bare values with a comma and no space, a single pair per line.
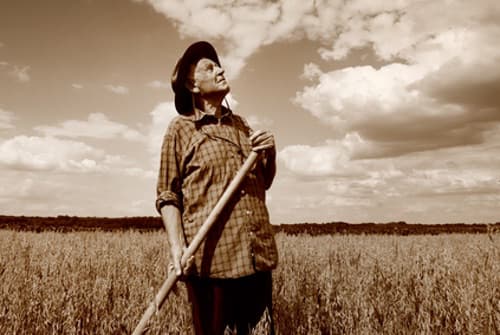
208,78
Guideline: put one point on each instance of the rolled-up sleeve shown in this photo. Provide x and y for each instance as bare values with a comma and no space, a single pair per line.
169,186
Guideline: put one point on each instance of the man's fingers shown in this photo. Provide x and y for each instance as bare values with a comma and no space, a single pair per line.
255,134
261,140
178,267
188,264
262,147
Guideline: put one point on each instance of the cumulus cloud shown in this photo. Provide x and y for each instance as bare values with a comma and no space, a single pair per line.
332,158
33,153
96,126
21,73
414,187
77,86
159,84
438,87
161,116
117,89
48,153
243,26
6,119
259,122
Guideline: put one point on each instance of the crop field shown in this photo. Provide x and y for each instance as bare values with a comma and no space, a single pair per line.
101,283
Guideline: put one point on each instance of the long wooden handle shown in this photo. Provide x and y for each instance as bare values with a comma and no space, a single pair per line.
198,239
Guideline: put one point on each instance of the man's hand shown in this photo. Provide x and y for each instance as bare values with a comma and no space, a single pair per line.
262,139
176,252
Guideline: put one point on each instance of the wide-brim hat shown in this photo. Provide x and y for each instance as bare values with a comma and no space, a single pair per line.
195,52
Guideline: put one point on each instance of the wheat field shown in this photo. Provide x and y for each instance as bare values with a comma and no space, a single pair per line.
101,283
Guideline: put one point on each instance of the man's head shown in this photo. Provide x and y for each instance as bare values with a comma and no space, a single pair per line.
198,72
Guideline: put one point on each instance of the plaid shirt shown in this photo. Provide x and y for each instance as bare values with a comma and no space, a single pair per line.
200,156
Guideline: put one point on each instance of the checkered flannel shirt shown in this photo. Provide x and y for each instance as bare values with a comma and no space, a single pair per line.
200,157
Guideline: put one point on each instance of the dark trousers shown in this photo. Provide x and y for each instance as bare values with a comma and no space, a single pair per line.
236,304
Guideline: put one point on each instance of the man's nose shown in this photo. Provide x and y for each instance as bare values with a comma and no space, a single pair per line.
219,70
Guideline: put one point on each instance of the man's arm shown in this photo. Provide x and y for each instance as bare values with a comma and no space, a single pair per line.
263,141
172,221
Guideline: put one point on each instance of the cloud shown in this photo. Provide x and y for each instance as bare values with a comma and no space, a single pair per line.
1,45
21,73
33,153
48,153
332,158
77,86
161,116
259,122
446,185
6,119
438,87
243,26
96,126
51,193
159,84
117,89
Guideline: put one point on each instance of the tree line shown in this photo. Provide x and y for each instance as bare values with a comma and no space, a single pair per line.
65,223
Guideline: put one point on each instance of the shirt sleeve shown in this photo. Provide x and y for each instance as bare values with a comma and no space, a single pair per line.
169,186
267,160
269,166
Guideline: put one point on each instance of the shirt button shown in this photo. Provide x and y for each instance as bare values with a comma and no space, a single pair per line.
242,192
248,212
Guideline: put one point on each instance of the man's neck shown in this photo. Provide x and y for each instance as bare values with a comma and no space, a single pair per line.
211,106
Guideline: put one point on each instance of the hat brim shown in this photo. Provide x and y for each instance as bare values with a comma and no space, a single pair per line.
195,52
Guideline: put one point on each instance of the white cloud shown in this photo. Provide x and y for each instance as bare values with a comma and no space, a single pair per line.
159,84
244,26
335,157
311,71
21,73
446,185
161,116
259,122
1,45
48,153
3,63
51,193
6,119
77,86
440,89
332,158
96,126
117,89
32,153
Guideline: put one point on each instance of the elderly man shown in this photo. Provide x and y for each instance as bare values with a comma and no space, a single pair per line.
229,280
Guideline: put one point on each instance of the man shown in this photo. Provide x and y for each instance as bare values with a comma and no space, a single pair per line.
229,280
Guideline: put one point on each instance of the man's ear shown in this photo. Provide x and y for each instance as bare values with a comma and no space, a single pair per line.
191,86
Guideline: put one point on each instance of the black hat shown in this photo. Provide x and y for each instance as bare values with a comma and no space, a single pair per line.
195,52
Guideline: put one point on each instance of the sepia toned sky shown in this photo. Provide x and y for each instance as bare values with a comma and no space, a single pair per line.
381,110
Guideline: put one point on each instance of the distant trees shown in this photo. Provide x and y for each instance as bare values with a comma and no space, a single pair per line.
396,228
65,223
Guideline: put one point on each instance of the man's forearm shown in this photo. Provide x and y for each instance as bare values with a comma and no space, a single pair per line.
172,221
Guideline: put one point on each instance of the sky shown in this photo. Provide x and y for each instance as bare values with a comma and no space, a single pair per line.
381,110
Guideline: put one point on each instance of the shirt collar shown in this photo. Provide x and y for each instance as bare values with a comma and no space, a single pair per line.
200,115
